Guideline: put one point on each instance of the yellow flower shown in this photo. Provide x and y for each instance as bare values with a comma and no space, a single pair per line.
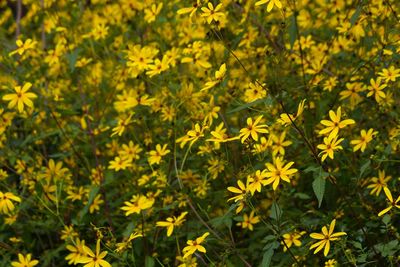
279,144
219,76
390,74
137,204
366,137
279,171
191,136
330,263
248,221
122,123
130,152
325,238
194,246
190,10
241,190
286,119
212,14
376,89
21,97
187,262
256,181
171,222
127,243
151,13
292,239
77,252
392,203
24,261
23,46
6,205
68,232
220,135
119,164
95,204
157,67
333,126
252,129
92,259
271,4
155,156
378,183
331,143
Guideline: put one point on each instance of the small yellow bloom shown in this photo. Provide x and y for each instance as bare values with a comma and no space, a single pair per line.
171,222
137,204
253,128
376,89
21,97
257,180
77,252
120,164
278,171
271,4
92,259
194,246
333,126
23,46
292,239
392,203
155,156
122,124
378,183
6,205
241,190
325,238
248,221
366,137
24,261
331,143
212,14
287,119
390,74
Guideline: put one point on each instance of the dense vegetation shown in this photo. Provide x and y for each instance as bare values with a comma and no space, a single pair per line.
199,133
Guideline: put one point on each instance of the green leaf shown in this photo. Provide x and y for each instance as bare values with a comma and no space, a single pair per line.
276,211
364,167
292,31
267,257
72,58
149,262
267,101
356,15
312,169
302,196
386,219
319,186
93,193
